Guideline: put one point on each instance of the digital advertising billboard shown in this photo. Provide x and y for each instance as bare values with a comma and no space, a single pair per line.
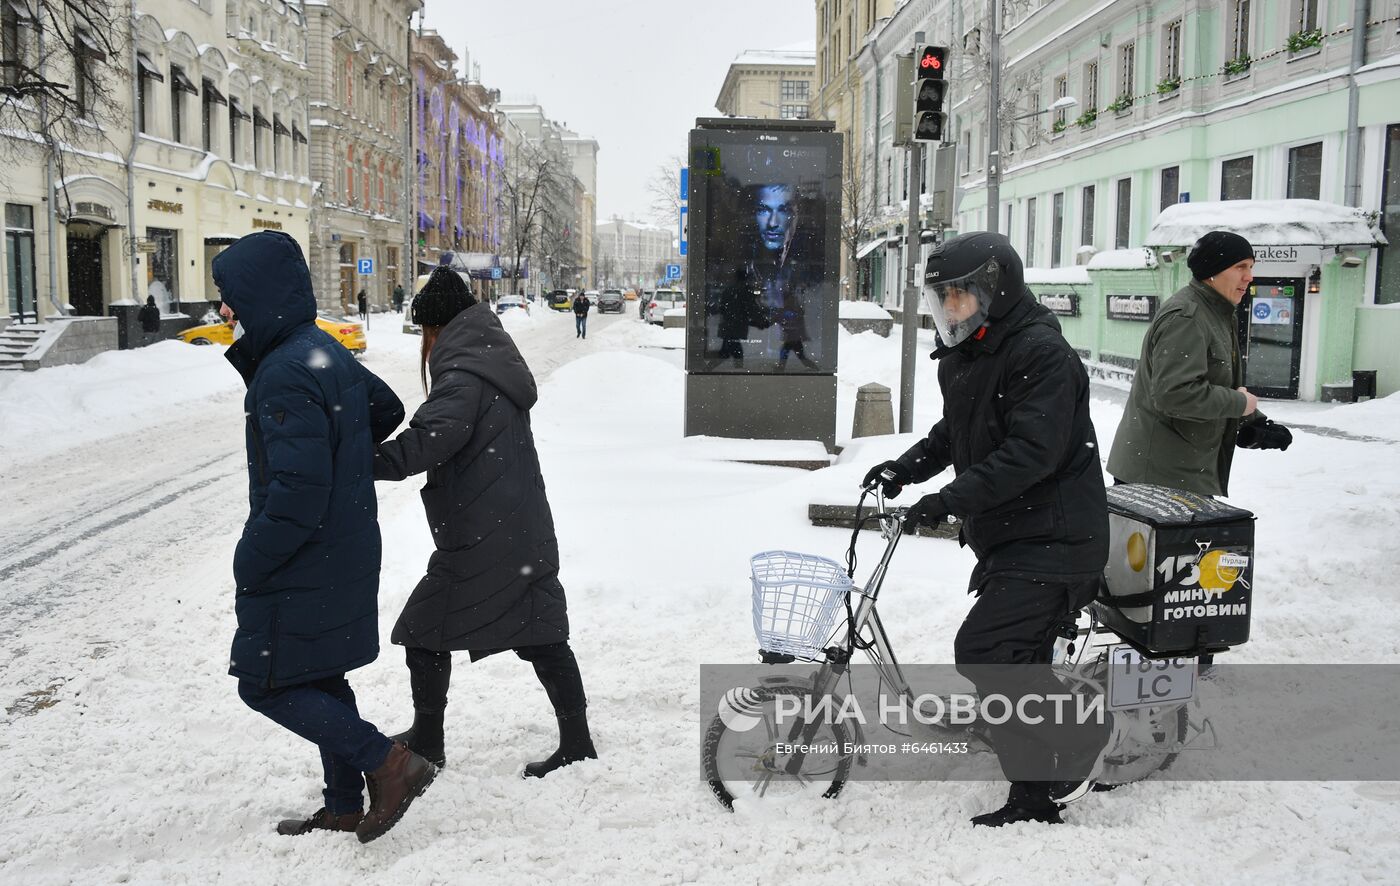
764,270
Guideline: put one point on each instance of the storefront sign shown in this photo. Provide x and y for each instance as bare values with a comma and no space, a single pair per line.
165,206
1288,255
1066,304
1132,307
267,223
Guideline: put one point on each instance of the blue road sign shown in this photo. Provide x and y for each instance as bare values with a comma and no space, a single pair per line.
365,266
495,273
673,272
685,185
685,229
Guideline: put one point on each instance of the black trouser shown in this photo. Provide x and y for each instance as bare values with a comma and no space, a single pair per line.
555,666
1014,623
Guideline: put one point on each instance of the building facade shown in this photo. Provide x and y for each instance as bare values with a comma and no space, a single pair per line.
583,157
769,84
541,199
632,255
201,140
460,161
360,133
1162,103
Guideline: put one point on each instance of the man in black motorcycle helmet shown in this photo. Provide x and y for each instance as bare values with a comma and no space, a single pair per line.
1029,491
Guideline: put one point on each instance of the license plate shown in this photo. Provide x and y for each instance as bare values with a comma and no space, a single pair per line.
1137,682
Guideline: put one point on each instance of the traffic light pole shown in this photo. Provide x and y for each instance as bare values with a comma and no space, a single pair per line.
910,322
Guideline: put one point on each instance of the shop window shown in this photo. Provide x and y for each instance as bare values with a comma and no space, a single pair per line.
1086,217
20,284
1305,172
163,269
1237,178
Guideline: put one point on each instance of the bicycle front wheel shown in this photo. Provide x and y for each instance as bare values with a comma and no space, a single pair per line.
755,749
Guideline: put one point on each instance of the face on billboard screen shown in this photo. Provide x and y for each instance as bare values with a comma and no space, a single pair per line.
764,300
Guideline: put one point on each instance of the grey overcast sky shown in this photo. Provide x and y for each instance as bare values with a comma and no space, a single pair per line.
633,74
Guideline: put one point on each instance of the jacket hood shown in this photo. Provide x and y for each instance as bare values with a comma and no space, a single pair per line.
476,342
263,277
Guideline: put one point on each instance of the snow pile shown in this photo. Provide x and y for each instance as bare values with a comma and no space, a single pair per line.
1075,275
861,310
1122,260
1265,222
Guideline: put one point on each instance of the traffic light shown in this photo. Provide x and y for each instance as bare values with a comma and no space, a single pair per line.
930,63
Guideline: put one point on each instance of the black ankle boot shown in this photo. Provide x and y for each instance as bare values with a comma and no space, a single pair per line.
424,737
575,744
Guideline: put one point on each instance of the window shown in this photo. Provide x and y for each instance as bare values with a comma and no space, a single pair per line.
1033,135
1305,172
794,90
163,267
350,175
180,86
236,116
1057,228
1304,15
1171,51
278,131
1086,217
793,112
1091,87
209,97
14,42
349,85
1009,217
1171,187
1388,268
364,180
259,122
86,53
19,262
1123,217
1030,232
1238,30
1127,58
966,151
1061,90
1237,178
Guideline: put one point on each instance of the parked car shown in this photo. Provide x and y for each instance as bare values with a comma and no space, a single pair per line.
610,301
347,332
512,302
661,301
560,300
631,294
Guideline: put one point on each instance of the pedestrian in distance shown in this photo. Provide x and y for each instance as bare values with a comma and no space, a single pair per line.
492,584
398,298
1188,408
149,316
1029,491
306,568
363,301
581,306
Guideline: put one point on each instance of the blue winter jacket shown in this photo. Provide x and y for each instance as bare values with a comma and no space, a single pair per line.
307,566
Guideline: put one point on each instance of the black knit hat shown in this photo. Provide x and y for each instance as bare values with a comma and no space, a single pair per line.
1217,251
443,297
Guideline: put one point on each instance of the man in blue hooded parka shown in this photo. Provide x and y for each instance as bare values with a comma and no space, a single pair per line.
307,565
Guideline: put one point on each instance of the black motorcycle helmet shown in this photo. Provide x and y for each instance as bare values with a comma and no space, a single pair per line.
970,281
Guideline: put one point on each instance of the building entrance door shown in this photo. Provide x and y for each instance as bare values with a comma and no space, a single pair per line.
1271,336
85,272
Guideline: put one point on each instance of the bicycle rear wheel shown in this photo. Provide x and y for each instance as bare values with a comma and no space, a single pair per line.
747,751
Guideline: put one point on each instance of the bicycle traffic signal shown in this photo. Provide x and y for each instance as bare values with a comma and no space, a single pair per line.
930,64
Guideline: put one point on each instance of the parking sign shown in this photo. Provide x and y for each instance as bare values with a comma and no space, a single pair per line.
365,266
673,272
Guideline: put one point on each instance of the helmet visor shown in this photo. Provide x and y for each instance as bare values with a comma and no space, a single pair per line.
960,306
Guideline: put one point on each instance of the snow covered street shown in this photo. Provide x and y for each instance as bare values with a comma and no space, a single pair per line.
131,759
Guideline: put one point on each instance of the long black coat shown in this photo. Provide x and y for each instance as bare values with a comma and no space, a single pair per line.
1016,429
307,565
493,582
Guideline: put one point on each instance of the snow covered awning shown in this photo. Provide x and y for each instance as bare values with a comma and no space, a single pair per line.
1124,260
1077,275
868,247
1266,222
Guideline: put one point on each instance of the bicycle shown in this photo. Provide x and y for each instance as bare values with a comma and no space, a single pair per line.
798,601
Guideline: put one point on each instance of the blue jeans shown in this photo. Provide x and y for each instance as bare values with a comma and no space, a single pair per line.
581,325
323,712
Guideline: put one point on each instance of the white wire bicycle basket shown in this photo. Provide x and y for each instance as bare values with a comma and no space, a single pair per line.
796,601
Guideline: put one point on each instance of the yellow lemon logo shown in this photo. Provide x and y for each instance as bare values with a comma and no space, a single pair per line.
1217,578
1137,551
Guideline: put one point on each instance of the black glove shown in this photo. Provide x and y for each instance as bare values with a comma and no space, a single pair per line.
929,511
891,488
1263,435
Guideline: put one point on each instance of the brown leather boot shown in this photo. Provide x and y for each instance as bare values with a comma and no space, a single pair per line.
392,788
320,820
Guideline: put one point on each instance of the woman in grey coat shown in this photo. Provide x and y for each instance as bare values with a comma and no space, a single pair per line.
493,582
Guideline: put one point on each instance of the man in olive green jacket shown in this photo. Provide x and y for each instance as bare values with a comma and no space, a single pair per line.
1188,408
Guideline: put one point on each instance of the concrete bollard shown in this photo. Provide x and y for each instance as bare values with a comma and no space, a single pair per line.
874,411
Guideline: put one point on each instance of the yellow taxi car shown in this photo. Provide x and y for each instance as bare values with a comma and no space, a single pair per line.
348,333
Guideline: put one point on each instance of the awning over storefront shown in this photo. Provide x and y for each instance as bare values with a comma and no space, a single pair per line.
1266,223
868,247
